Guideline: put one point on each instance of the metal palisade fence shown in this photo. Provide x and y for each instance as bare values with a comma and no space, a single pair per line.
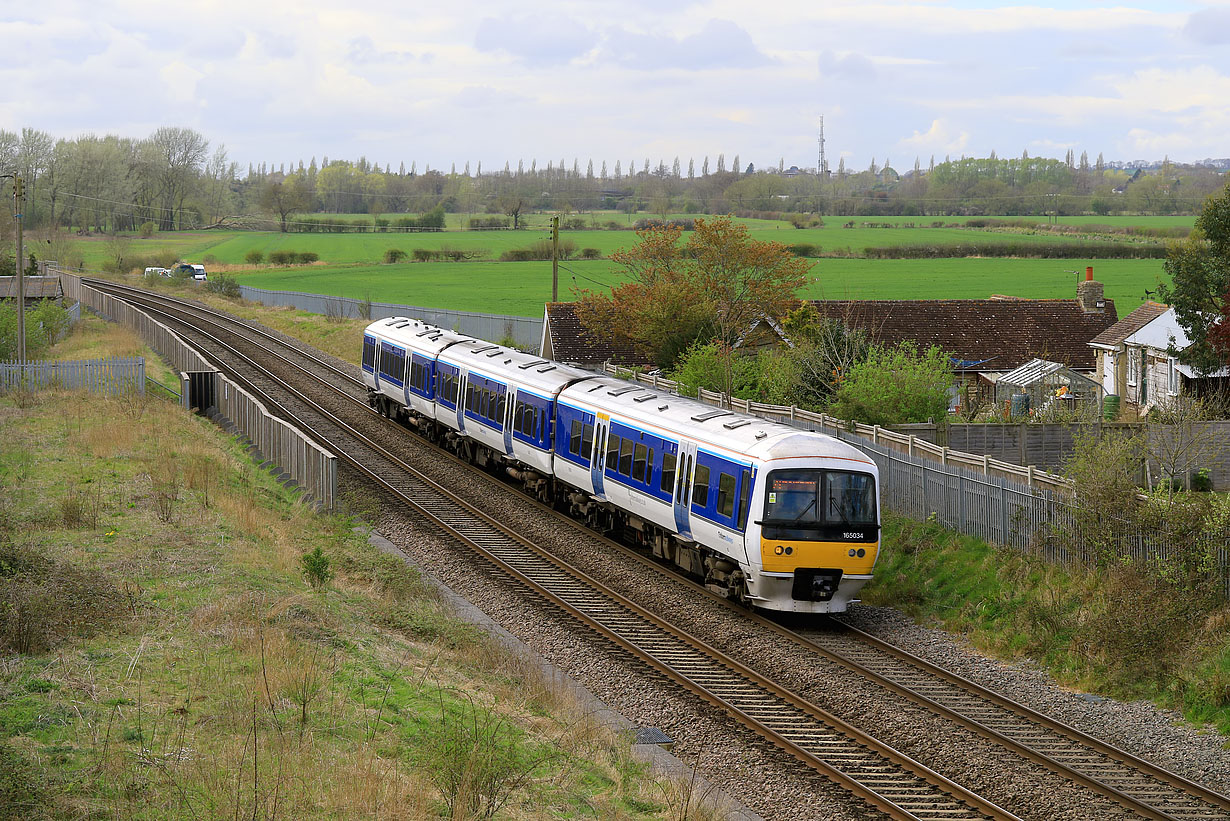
524,331
114,377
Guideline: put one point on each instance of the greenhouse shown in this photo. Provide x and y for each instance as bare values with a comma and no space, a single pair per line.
1050,387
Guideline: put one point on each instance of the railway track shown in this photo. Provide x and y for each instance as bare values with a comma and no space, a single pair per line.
812,735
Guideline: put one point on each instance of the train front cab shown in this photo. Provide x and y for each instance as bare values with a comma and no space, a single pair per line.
818,535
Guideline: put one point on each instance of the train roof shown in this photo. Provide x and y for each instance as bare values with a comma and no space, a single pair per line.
529,370
416,334
728,429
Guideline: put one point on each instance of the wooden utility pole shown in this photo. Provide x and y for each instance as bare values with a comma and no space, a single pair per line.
555,257
21,283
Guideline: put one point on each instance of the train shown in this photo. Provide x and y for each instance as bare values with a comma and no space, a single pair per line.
763,513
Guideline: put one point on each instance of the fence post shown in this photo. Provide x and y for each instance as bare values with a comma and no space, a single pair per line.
944,455
986,465
910,447
1003,511
1029,475
875,435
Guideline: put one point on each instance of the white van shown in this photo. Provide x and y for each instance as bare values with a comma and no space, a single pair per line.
197,272
157,272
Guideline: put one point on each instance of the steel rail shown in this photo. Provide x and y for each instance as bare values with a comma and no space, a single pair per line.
806,731
1144,802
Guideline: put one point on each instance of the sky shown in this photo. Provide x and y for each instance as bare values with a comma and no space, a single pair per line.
455,81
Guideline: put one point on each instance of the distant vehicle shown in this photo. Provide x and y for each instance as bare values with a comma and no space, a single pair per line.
197,272
157,272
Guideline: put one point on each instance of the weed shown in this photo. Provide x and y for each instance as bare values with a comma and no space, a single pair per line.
316,568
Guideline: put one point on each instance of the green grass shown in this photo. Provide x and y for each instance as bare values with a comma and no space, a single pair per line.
521,288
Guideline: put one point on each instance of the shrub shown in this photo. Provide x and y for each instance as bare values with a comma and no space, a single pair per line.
894,386
281,257
804,249
254,257
306,257
316,568
394,255
519,255
488,223
574,224
224,285
147,229
591,253
423,254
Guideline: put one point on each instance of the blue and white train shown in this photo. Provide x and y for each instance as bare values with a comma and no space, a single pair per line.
766,514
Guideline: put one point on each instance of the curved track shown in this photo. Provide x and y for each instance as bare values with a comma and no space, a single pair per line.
822,740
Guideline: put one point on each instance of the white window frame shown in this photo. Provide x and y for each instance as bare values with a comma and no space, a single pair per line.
1172,377
1133,366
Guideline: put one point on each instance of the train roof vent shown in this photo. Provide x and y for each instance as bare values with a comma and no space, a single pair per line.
707,415
497,352
392,320
645,398
738,423
663,406
761,434
532,363
428,331
401,324
482,348
508,361
596,387
548,368
622,391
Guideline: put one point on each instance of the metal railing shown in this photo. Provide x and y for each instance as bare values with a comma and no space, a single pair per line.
112,377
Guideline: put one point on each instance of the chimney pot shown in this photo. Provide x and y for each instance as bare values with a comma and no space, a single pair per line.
1088,273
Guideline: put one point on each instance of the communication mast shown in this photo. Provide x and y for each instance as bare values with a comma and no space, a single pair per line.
823,167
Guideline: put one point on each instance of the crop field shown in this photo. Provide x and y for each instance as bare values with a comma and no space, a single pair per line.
521,288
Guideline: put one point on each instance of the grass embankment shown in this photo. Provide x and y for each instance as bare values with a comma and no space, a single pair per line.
164,656
1110,631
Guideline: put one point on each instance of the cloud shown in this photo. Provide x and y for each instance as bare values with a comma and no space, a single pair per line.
940,137
849,66
720,44
1209,27
362,51
542,41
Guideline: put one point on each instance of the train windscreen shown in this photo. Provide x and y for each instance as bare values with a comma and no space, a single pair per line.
818,500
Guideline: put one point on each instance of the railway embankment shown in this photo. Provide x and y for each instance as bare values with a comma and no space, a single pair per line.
1118,631
164,652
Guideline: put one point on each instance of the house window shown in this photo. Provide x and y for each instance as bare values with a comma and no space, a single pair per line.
1133,366
1172,374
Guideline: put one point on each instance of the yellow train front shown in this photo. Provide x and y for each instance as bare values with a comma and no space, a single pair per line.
815,530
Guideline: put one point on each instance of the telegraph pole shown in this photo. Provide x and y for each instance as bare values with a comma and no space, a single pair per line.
555,259
21,283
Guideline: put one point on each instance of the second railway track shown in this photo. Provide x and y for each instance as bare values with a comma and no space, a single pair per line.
1136,785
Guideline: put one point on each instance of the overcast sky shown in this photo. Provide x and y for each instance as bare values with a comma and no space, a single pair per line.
451,81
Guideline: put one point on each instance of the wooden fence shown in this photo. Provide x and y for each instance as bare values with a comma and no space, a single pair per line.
113,377
311,467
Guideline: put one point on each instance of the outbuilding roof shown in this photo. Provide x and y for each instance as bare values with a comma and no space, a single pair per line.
565,339
35,288
1116,334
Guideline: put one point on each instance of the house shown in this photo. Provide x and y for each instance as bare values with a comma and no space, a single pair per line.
37,289
984,337
1136,360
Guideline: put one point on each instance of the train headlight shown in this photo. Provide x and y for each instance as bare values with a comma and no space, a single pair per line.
852,553
861,552
779,550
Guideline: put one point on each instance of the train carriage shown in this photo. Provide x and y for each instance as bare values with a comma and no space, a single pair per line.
764,513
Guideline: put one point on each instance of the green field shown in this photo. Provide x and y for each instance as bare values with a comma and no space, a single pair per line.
521,288
350,263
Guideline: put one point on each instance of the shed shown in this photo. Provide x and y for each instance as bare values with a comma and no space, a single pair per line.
36,289
1040,384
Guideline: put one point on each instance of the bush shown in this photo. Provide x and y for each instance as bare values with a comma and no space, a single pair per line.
254,257
316,568
895,386
804,249
224,285
685,224
281,257
591,253
23,793
305,257
574,224
147,229
423,254
488,223
394,255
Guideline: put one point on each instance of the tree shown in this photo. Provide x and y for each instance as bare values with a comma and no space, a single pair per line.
512,205
286,196
1199,270
896,385
712,289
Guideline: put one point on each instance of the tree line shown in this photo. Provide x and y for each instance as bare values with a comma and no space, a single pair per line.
174,179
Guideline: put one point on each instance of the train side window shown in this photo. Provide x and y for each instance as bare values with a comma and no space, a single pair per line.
649,468
625,457
587,441
470,398
745,494
369,352
700,487
638,463
726,495
668,472
502,407
612,452
574,442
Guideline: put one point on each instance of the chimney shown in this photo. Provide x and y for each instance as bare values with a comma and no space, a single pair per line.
1089,294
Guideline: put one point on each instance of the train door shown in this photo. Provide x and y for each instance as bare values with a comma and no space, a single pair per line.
597,461
684,467
463,380
510,406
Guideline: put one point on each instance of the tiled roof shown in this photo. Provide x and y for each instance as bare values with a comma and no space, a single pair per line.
35,288
571,342
1130,324
1000,333
993,335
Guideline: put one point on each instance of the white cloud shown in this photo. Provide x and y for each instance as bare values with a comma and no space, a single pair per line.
941,137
